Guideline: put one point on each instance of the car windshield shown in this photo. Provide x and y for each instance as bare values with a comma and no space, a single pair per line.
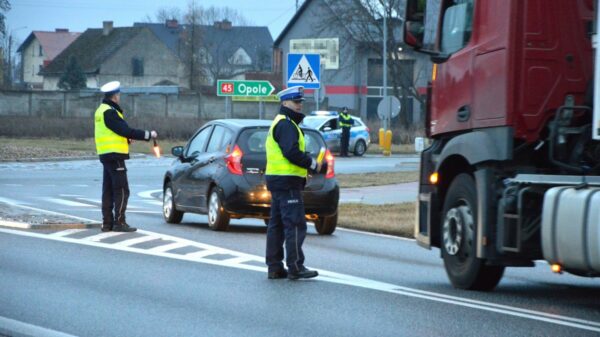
312,122
253,141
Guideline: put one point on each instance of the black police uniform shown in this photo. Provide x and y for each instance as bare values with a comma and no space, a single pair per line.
115,187
288,221
345,141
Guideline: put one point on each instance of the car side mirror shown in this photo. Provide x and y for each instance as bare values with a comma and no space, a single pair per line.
177,151
327,128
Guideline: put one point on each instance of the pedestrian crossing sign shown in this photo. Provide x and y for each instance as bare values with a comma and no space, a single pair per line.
304,70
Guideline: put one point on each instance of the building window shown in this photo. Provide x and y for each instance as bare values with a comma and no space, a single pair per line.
41,51
329,49
137,64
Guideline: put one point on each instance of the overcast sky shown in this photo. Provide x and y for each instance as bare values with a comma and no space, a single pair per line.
78,15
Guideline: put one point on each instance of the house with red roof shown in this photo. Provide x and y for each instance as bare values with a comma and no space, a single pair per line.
38,51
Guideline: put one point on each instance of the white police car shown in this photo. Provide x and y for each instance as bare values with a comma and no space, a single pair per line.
327,123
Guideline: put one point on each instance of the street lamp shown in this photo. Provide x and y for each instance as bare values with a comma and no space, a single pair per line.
10,56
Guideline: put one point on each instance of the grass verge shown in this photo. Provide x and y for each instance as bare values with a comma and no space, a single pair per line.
376,179
14,149
392,219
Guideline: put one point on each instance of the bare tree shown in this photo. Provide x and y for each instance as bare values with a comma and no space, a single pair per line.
4,41
213,14
363,20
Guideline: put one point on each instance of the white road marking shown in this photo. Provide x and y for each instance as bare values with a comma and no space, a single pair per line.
66,202
167,247
66,232
325,276
144,212
154,202
24,329
101,236
13,185
134,241
148,194
80,185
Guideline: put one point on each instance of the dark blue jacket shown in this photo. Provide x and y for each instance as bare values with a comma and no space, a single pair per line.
286,135
120,127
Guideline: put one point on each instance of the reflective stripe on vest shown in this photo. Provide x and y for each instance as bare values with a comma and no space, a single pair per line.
277,164
345,120
107,141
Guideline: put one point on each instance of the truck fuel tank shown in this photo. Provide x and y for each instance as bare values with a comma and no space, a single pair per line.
571,229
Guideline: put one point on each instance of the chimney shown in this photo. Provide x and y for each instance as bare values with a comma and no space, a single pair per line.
225,24
107,27
172,23
61,30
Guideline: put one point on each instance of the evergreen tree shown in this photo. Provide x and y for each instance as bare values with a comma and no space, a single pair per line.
73,78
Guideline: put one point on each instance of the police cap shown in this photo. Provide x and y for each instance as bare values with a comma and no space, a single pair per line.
291,94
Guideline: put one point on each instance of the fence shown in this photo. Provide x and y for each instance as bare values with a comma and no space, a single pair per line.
84,103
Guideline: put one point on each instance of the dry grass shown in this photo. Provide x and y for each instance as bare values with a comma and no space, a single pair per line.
12,149
393,219
376,179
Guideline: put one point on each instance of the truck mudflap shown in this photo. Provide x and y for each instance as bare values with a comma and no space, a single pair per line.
571,229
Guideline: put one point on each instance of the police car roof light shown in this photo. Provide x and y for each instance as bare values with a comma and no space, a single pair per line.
324,113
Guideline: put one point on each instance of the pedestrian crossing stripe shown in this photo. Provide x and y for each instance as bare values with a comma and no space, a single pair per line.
304,69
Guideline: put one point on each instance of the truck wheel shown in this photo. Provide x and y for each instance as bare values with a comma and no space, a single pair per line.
170,213
459,230
218,219
325,225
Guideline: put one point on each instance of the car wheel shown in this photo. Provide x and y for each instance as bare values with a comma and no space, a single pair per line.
218,219
360,148
325,225
170,213
459,235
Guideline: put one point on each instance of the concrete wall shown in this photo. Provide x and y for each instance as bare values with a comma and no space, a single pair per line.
84,104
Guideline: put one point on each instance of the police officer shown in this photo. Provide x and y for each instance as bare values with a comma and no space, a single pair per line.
346,123
113,135
287,166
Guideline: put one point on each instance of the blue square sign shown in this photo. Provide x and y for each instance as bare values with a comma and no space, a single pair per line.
304,70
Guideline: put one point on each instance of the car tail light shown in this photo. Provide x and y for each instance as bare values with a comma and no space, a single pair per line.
330,163
234,160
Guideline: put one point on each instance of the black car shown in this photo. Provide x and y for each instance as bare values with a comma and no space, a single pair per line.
220,172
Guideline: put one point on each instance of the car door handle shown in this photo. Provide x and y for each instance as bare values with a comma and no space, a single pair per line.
463,114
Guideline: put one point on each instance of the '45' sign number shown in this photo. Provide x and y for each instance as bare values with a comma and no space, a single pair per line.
227,87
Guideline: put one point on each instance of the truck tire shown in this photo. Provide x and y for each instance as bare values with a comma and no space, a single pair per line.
325,225
459,233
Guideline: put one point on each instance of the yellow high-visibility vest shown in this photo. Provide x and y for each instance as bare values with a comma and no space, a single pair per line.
277,164
107,141
345,121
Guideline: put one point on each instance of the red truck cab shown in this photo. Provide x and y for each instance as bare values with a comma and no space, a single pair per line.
510,94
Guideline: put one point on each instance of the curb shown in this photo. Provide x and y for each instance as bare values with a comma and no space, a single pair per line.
24,225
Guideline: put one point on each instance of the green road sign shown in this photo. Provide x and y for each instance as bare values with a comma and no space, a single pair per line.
244,88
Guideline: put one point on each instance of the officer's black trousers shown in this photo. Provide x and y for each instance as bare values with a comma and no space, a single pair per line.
345,141
115,192
287,225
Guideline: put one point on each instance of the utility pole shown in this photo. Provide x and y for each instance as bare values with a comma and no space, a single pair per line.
387,119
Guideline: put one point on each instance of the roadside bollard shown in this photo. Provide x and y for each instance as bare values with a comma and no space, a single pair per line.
387,145
381,139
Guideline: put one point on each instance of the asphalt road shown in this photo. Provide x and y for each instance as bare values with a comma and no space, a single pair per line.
186,280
